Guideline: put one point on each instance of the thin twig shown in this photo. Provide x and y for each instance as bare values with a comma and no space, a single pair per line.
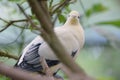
22,10
57,15
58,12
5,27
60,5
5,54
11,23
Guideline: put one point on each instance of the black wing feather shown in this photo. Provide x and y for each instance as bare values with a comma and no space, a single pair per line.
31,60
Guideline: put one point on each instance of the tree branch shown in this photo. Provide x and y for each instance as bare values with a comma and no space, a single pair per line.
18,74
65,2
12,23
59,8
32,24
57,15
3,54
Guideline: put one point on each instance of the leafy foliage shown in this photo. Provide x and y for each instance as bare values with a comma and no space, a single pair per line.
95,9
61,18
114,23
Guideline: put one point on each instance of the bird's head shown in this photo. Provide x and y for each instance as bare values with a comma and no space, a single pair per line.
73,18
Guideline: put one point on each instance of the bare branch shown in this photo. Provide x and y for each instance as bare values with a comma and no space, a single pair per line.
60,7
5,54
11,23
29,19
18,74
65,2
57,15
42,16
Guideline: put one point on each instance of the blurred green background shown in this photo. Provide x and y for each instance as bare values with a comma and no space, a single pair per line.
100,19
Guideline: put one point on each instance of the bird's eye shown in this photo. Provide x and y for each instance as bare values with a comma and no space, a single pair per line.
78,16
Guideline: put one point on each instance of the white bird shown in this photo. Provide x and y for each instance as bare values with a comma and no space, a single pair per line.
71,35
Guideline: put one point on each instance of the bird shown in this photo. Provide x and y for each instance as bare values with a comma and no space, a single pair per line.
70,34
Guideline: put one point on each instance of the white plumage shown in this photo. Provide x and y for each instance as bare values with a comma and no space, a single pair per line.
71,35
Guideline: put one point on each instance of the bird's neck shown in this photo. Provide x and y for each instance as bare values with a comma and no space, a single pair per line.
72,22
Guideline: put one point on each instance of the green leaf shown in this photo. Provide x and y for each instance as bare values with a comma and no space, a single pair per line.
88,12
99,7
114,23
96,8
67,8
61,18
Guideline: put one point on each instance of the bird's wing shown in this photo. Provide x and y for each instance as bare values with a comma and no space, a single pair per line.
30,59
30,56
36,41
